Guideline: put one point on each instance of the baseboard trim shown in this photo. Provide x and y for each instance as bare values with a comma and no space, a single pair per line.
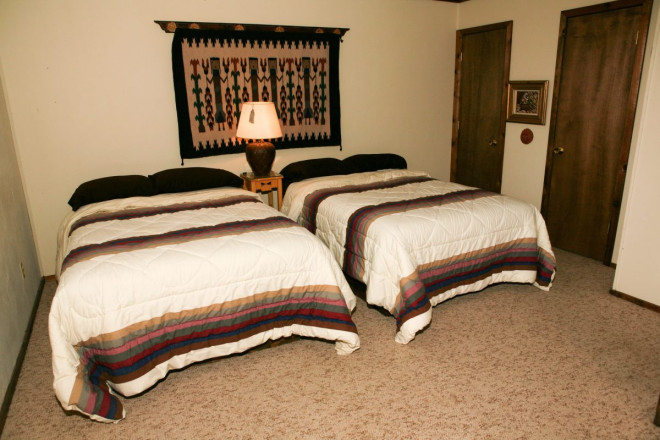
632,299
9,395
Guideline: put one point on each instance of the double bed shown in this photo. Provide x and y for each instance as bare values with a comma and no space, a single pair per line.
413,240
156,274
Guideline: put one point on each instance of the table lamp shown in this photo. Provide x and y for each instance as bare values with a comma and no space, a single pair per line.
258,122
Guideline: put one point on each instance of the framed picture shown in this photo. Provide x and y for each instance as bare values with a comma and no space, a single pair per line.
527,101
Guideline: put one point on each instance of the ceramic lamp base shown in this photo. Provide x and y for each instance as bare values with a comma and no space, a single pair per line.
260,157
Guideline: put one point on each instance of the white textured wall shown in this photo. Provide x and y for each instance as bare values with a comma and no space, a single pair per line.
89,86
638,262
533,57
17,294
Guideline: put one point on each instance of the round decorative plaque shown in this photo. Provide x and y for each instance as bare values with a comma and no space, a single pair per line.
527,136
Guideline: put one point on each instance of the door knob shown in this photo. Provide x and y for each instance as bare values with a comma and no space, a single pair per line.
558,150
492,143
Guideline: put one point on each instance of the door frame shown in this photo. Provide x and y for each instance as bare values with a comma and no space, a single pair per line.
508,25
631,107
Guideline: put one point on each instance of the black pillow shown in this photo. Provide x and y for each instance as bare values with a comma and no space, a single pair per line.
109,188
193,179
362,163
307,169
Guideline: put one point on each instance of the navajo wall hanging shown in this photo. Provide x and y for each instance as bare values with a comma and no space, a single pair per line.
216,67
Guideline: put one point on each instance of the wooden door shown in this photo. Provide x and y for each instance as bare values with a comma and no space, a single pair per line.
483,57
599,63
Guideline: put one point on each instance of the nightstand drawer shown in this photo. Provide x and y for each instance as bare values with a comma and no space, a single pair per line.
266,185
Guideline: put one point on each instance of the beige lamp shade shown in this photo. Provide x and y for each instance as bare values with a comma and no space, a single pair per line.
258,121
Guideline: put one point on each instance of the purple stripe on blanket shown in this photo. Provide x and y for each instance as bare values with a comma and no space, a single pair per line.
313,200
173,237
157,210
361,219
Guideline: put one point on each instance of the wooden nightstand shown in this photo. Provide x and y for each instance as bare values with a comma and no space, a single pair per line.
267,184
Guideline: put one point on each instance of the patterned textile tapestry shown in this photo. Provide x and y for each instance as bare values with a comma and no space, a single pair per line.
216,71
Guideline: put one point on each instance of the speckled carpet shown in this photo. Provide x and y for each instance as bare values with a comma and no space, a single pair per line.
510,362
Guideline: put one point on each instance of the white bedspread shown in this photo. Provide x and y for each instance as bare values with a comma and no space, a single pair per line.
121,319
446,247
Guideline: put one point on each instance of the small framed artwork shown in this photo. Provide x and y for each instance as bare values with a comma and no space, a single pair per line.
527,101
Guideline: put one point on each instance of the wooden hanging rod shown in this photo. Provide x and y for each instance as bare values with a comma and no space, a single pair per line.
171,26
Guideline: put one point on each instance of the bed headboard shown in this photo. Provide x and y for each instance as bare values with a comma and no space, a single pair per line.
359,163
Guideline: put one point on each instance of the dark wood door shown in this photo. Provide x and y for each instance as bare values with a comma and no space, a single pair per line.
597,76
482,70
